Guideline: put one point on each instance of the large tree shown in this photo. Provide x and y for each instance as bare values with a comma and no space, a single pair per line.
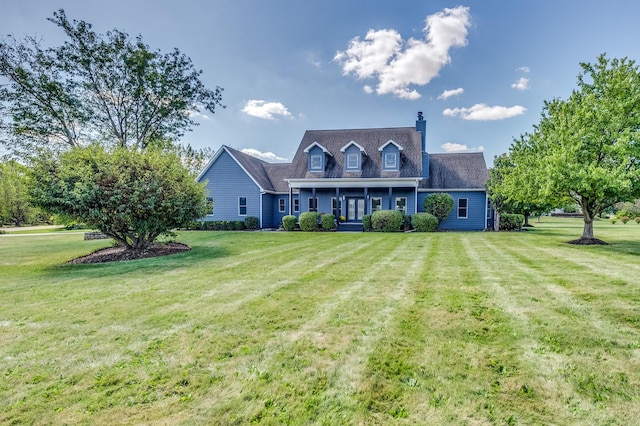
15,205
97,87
131,195
586,148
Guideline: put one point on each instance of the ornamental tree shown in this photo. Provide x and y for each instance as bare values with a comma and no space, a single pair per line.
133,196
586,148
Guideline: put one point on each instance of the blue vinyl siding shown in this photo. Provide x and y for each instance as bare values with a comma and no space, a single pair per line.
476,211
277,215
226,182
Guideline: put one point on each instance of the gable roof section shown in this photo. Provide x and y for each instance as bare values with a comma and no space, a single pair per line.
252,166
325,150
390,141
466,170
370,140
344,148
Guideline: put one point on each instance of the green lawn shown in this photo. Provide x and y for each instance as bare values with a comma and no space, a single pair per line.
327,328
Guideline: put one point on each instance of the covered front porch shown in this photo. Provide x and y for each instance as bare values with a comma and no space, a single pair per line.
350,199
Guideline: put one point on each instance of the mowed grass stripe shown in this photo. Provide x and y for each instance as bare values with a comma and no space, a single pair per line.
315,348
561,323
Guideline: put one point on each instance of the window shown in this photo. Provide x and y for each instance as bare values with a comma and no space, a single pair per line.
282,205
242,206
353,161
313,204
462,208
376,204
316,162
210,205
296,205
336,207
390,161
401,204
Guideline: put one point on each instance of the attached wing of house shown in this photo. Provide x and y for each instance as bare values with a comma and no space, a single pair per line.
349,173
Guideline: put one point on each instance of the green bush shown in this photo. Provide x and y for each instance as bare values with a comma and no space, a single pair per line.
386,220
439,205
424,222
613,220
637,219
289,222
328,222
624,219
511,222
251,222
366,223
309,221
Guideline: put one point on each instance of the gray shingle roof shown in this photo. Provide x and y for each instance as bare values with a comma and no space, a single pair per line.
254,166
370,140
457,171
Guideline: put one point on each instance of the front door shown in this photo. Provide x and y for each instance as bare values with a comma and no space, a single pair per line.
355,209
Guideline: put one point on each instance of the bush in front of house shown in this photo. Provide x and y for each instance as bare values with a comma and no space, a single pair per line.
386,220
625,219
439,205
511,222
251,222
406,222
328,222
366,223
424,222
289,223
309,221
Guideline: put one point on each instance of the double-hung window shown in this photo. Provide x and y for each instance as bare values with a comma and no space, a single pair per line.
463,208
296,205
376,204
313,204
401,204
391,161
316,162
353,161
282,206
242,206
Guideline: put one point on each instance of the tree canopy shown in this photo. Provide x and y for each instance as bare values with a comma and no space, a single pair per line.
133,196
107,88
585,148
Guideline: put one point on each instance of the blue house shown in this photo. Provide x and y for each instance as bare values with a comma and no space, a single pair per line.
349,173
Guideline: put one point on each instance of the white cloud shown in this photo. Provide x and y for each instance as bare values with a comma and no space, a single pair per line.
448,93
269,156
521,84
524,69
397,64
457,147
484,112
368,89
266,110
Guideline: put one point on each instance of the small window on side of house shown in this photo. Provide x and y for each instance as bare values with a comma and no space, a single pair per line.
210,206
242,206
463,208
296,205
401,204
282,206
313,204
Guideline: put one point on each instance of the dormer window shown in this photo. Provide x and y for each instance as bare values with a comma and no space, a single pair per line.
317,157
316,161
390,156
353,156
391,161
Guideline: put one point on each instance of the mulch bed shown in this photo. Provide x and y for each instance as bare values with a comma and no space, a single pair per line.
588,242
114,254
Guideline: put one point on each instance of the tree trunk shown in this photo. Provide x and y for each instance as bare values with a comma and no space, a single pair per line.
587,232
526,220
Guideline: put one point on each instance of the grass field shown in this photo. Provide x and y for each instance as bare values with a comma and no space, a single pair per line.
327,328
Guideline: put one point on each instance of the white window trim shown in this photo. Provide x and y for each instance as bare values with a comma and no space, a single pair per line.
296,205
282,205
246,208
371,203
405,204
356,163
395,161
466,209
318,158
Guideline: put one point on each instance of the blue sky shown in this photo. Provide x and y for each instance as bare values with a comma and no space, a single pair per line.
479,70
